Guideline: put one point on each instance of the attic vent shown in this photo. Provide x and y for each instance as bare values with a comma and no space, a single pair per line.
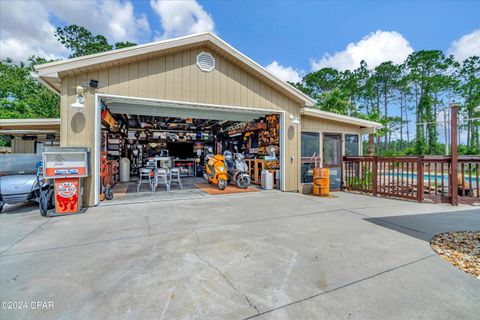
205,61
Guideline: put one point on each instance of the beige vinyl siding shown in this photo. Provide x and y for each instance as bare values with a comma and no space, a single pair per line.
177,77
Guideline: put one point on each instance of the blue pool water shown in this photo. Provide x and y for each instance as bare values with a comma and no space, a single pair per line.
413,176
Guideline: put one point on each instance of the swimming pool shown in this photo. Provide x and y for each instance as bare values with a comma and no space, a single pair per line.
413,176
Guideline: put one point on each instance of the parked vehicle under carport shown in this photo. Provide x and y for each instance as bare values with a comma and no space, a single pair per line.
18,185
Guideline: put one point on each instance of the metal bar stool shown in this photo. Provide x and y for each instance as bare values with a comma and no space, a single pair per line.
175,177
145,176
161,177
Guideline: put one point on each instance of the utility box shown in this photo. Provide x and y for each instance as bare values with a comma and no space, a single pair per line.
67,167
124,170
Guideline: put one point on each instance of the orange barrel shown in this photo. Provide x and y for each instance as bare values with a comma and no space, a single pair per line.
321,181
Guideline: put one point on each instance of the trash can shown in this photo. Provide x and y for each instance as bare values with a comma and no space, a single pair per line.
267,180
124,170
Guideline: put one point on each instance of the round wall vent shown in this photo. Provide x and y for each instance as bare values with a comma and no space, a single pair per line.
205,61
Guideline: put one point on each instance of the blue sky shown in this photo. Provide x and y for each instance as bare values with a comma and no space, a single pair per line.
295,34
289,38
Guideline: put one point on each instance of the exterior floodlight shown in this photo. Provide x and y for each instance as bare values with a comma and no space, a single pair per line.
93,84
80,99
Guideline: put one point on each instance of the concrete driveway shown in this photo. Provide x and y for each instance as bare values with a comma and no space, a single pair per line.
251,256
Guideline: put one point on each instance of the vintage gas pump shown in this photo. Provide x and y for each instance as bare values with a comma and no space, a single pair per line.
67,166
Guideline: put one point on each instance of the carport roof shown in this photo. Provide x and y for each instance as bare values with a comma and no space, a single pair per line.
38,125
50,73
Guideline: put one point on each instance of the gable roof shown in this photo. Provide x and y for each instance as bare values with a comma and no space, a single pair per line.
50,73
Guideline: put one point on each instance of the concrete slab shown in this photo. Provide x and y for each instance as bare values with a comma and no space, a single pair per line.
394,294
263,255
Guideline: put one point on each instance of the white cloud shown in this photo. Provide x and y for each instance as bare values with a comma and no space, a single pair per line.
26,27
114,19
180,18
284,73
375,48
467,46
25,31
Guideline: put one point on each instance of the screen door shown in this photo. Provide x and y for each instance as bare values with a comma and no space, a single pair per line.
332,158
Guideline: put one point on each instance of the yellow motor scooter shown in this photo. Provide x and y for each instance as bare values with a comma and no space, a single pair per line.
216,171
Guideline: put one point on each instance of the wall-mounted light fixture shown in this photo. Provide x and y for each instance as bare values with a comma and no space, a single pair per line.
295,120
79,99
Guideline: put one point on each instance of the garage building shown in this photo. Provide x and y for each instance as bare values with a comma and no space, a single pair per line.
189,89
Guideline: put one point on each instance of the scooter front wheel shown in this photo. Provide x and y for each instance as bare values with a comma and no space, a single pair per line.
222,184
243,181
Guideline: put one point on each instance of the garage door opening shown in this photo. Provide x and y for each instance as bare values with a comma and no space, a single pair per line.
164,146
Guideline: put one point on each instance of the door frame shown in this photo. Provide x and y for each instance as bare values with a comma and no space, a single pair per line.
340,164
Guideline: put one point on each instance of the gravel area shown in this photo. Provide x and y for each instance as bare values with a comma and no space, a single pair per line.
462,249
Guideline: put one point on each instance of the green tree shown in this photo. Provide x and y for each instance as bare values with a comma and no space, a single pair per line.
420,139
120,45
22,96
469,89
315,84
336,101
386,77
82,42
430,72
404,98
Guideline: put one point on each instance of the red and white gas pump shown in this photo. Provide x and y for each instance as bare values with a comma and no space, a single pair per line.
67,167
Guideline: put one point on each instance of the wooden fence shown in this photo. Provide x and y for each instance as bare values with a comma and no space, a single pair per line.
414,178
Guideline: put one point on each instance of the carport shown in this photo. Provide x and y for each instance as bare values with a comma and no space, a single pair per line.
27,134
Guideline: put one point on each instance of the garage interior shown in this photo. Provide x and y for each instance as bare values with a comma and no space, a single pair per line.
156,134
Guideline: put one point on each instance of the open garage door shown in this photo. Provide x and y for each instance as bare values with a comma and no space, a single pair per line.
186,132
182,110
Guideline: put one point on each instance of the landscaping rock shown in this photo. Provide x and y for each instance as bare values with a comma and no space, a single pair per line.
462,249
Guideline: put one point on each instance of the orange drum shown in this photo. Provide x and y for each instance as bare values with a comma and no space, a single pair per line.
321,181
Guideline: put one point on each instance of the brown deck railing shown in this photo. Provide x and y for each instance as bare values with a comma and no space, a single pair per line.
414,178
